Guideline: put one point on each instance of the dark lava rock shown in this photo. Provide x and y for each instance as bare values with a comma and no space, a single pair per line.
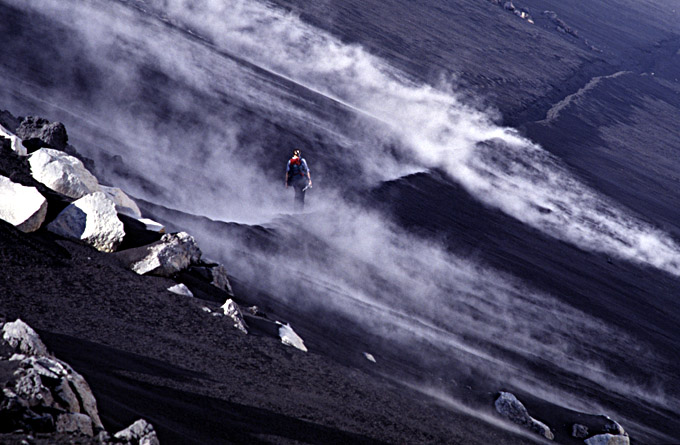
37,132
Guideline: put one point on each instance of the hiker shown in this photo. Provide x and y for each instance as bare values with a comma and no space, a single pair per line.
299,177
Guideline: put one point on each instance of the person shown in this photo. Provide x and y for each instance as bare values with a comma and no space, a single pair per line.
299,177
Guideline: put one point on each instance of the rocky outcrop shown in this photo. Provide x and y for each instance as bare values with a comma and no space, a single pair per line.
21,206
62,173
44,394
507,405
92,219
289,337
608,439
233,311
174,252
124,204
139,433
38,132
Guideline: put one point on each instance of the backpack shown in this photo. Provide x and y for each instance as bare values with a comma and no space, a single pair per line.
295,167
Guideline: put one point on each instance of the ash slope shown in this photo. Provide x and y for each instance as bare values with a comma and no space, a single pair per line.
601,333
146,351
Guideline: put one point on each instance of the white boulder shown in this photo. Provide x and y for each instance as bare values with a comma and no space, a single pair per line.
181,289
608,439
233,311
173,253
21,206
289,337
62,173
124,204
23,338
139,433
93,219
17,143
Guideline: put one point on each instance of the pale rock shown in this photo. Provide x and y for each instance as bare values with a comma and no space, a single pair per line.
220,279
152,225
93,219
23,207
369,357
233,311
289,337
124,204
508,406
608,439
22,337
75,423
173,253
17,143
181,289
139,433
62,173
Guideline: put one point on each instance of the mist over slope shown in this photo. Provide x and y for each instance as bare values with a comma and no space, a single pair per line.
195,106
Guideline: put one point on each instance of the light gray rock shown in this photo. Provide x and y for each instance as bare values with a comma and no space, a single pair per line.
181,289
507,405
139,433
74,423
152,225
579,431
17,143
608,439
289,337
173,253
220,279
233,311
23,207
93,219
124,204
62,173
23,338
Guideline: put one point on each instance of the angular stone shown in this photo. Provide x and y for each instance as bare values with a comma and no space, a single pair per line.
23,207
93,219
173,253
180,289
509,406
74,423
233,311
220,279
40,132
139,433
124,204
16,142
62,173
608,439
289,337
22,337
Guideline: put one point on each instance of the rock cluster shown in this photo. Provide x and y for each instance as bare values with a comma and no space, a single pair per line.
44,394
